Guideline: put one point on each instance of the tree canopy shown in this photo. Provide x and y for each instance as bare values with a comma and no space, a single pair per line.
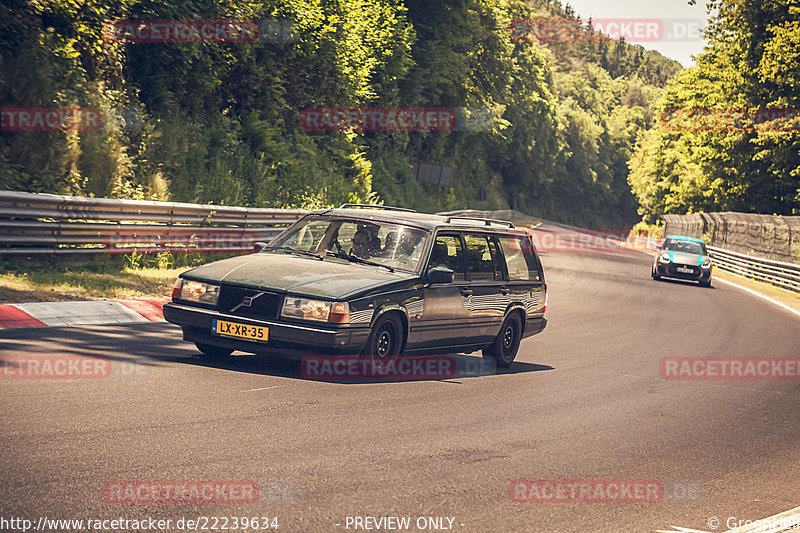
555,124
751,62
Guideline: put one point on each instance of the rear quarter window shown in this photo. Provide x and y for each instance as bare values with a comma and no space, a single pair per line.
520,258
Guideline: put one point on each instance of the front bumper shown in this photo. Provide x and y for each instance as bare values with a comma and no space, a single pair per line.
669,270
196,325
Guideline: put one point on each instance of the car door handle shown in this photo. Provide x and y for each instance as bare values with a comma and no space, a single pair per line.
505,291
466,292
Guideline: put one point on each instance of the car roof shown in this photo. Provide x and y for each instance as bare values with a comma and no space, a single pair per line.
424,220
681,238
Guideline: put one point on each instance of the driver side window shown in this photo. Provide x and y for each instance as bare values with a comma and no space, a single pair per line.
448,252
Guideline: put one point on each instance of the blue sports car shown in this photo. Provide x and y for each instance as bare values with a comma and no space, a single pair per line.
683,258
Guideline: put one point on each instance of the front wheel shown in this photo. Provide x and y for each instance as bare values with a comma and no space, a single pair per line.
213,352
506,345
654,275
385,342
706,283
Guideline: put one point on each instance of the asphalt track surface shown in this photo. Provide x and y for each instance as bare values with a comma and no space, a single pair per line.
584,401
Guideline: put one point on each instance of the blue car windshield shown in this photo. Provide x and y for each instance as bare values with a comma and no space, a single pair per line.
686,247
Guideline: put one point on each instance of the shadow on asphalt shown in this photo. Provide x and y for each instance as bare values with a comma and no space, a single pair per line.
460,367
153,344
136,344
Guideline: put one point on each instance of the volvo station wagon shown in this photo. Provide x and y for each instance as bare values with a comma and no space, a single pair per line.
375,281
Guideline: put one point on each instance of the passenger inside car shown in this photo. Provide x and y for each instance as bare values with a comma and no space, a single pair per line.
362,245
389,244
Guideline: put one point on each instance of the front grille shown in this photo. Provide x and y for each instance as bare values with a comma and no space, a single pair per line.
673,270
263,304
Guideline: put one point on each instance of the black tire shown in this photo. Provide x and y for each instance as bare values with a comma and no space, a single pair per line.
654,275
213,352
505,347
385,342
706,284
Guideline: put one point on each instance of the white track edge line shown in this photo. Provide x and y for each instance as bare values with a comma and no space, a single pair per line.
762,296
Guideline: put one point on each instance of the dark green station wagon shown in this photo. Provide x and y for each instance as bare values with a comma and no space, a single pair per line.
371,280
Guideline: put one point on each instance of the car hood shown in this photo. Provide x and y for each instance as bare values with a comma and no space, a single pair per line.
682,258
287,272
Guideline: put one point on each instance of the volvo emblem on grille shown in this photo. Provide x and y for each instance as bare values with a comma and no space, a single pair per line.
247,301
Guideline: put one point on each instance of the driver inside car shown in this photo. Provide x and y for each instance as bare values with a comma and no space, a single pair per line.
362,245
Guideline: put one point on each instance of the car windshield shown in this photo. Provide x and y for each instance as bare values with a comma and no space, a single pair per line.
391,245
687,247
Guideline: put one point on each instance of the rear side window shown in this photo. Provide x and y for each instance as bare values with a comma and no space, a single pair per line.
520,258
483,261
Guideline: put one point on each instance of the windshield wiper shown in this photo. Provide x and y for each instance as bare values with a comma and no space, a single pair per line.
296,250
356,259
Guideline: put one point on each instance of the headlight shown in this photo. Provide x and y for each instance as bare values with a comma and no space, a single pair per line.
305,309
664,257
706,263
197,291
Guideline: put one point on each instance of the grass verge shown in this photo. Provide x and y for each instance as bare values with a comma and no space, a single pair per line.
98,278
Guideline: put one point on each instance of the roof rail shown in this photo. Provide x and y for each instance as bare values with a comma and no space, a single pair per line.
488,221
374,206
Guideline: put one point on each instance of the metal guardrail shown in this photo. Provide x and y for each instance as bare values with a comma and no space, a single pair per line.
784,275
33,224
761,247
769,236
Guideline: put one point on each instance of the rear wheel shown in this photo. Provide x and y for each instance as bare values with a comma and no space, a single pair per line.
212,351
385,342
506,345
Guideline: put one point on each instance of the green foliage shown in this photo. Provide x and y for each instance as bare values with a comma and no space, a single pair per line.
220,122
752,61
643,229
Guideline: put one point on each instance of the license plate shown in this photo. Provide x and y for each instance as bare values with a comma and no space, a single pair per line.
685,270
239,331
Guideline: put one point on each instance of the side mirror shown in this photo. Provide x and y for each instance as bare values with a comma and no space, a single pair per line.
440,275
258,246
